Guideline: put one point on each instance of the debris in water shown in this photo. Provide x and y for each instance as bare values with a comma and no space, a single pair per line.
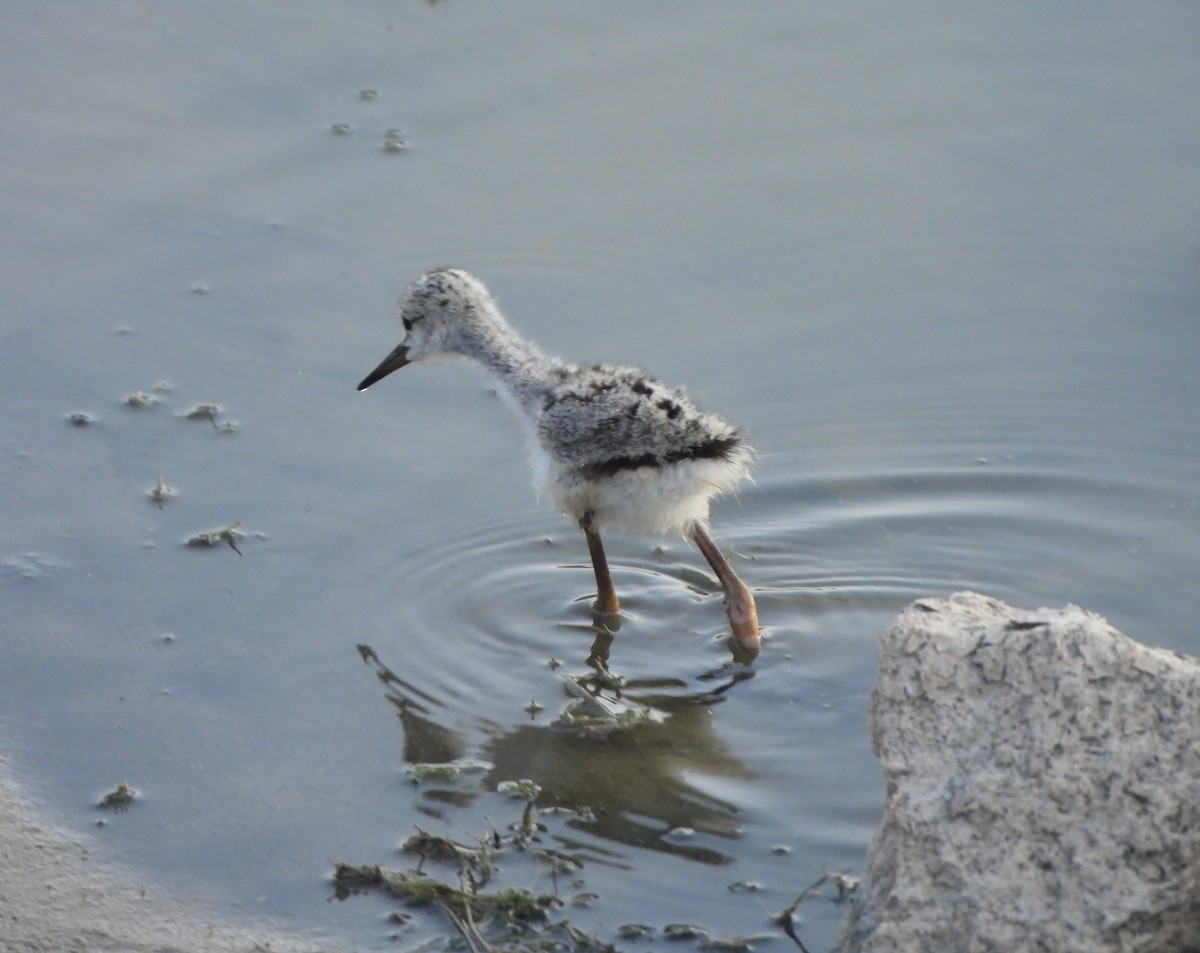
684,931
205,411
160,492
844,885
446,772
214,537
140,400
394,141
489,917
524,790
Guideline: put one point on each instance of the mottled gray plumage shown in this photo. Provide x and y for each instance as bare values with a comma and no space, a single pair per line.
605,419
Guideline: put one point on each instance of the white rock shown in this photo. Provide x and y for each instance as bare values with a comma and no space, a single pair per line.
1043,775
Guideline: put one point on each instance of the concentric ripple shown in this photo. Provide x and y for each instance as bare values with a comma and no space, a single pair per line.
484,603
820,551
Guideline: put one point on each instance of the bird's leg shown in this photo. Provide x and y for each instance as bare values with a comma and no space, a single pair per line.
606,596
739,601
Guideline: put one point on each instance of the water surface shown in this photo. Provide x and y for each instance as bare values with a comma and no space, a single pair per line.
939,262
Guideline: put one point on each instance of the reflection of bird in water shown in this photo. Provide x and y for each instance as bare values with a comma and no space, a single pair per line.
610,446
626,758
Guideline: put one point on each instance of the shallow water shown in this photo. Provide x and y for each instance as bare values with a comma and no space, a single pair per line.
940,264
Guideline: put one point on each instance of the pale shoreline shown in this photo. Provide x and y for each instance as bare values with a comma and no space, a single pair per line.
54,895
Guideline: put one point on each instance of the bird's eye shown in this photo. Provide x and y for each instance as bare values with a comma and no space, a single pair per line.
409,322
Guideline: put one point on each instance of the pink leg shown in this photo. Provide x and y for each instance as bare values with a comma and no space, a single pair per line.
739,601
606,596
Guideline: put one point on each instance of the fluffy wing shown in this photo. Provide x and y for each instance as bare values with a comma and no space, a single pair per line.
601,420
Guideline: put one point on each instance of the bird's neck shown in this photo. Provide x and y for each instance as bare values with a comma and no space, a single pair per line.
518,366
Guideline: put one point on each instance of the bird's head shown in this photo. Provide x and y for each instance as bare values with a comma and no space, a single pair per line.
445,311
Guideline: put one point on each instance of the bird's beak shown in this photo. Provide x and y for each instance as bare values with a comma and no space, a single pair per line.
393,362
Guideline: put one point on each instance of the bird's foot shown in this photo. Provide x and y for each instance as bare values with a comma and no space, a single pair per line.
743,623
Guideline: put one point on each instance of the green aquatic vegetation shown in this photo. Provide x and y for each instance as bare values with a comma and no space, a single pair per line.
509,918
215,537
464,904
446,772
523,790
490,918
119,798
433,847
